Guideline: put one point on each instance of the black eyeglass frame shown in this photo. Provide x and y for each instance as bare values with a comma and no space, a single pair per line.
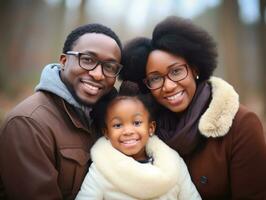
102,63
145,80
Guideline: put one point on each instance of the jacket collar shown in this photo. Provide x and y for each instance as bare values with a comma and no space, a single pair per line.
142,180
218,118
75,117
71,112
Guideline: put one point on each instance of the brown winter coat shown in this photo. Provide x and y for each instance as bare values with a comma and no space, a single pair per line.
59,142
231,161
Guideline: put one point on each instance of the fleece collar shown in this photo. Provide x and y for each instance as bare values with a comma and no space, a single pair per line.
218,118
141,181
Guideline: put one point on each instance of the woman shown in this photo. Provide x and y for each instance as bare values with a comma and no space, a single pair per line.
200,116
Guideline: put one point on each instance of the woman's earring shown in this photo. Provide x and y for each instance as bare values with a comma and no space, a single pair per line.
151,134
63,67
197,77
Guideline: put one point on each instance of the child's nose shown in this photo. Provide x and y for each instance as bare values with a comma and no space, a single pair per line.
128,130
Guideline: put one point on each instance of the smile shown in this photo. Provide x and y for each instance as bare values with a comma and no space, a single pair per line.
175,97
90,87
129,143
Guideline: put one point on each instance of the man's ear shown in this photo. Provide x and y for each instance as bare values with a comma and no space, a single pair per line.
62,59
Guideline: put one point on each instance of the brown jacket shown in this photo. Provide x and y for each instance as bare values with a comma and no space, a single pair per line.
231,161
44,150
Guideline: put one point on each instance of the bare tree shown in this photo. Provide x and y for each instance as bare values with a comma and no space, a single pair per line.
229,30
262,45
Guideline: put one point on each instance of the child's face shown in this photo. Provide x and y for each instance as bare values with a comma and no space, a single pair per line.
128,127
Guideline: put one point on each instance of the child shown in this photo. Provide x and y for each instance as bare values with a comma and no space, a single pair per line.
130,162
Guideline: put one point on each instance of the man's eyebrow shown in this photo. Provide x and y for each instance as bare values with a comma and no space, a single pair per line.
89,52
96,55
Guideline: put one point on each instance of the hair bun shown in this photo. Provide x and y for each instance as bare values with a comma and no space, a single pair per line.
134,59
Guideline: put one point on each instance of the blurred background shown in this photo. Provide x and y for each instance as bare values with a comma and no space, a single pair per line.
32,33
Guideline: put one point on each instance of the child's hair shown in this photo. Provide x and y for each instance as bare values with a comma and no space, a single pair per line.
100,109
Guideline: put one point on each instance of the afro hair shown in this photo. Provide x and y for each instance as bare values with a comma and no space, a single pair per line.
174,35
181,37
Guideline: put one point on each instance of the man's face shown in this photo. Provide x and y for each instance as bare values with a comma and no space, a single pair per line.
88,87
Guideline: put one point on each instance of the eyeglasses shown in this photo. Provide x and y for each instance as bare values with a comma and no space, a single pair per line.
89,62
176,73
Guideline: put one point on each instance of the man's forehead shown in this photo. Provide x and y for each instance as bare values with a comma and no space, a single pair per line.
95,38
101,45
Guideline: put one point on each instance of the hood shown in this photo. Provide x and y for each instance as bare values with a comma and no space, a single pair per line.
50,81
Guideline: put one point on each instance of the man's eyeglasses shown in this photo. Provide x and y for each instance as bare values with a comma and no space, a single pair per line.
175,73
89,62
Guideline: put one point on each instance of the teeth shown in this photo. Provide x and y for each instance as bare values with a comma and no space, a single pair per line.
171,98
91,87
129,141
133,141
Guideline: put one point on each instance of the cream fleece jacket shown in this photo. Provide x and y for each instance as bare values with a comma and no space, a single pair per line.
114,176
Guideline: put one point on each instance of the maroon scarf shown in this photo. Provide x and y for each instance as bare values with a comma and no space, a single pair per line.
180,130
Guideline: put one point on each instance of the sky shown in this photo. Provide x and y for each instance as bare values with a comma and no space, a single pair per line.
137,12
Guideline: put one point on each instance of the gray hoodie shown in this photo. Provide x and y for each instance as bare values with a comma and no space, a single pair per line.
50,81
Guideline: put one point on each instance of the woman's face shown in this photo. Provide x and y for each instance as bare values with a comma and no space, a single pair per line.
176,96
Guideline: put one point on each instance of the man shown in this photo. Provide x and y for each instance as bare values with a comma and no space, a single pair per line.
45,140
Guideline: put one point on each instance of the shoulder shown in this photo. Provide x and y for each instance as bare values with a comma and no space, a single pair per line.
247,124
33,115
246,114
245,135
32,106
94,185
95,175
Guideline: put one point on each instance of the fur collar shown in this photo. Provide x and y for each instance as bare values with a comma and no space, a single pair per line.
218,118
141,181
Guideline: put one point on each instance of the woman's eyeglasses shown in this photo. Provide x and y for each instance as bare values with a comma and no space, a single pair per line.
175,73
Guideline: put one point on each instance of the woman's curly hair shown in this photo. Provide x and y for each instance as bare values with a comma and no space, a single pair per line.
177,36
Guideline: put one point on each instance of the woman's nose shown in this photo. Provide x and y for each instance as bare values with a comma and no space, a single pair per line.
168,85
